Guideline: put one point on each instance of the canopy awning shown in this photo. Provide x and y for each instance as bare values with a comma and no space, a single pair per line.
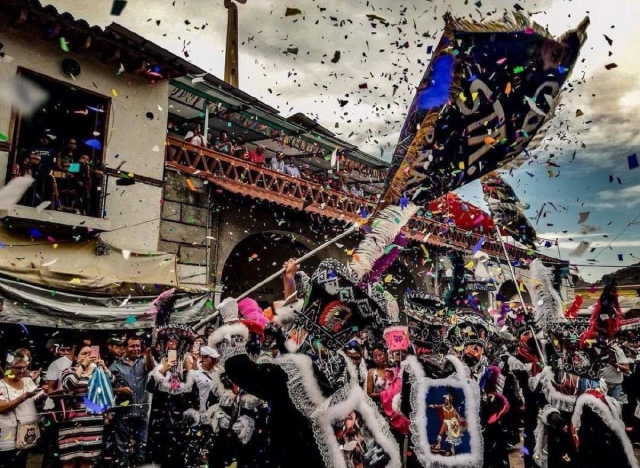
33,305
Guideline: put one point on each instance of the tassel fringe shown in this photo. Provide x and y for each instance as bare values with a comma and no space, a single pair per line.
387,225
547,301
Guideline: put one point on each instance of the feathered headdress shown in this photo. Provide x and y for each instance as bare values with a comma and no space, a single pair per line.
546,300
383,244
164,331
607,316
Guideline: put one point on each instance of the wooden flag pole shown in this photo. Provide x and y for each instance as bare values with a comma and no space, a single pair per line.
513,275
280,272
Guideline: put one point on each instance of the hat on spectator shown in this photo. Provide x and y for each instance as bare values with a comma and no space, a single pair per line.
207,351
115,341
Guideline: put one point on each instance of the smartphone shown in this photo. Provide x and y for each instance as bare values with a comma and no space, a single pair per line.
95,352
172,356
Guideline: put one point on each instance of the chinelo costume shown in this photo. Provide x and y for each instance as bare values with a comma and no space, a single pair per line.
172,391
578,425
320,416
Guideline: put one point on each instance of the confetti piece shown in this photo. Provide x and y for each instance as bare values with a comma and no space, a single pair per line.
3,137
63,44
114,93
50,263
117,6
93,143
126,254
633,161
518,70
508,89
388,279
583,217
292,12
75,281
611,66
131,320
191,186
11,193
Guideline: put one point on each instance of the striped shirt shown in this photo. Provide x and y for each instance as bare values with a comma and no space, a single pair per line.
135,375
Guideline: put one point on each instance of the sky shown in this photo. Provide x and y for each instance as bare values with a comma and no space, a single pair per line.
287,63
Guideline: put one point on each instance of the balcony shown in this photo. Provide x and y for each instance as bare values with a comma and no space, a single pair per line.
70,198
244,178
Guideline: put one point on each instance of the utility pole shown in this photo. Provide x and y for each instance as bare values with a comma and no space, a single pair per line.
231,52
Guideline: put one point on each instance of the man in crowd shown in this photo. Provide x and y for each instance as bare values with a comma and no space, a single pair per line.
357,191
277,162
257,156
307,174
55,369
291,169
132,421
115,350
223,144
615,371
240,150
204,376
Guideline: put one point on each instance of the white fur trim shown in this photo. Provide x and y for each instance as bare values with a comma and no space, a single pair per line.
540,454
357,401
323,412
554,397
286,313
419,420
612,420
163,382
226,332
388,224
516,364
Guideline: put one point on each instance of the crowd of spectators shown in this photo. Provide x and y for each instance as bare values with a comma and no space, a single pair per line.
277,161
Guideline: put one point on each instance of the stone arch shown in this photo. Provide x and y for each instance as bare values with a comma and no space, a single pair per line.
259,255
509,290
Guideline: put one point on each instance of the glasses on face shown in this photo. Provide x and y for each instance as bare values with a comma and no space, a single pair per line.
20,368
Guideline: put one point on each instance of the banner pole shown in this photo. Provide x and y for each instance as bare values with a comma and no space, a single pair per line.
513,275
280,272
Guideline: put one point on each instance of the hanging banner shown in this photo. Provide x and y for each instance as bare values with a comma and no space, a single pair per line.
487,91
507,211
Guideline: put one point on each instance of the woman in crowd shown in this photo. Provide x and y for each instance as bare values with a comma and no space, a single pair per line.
378,378
80,436
18,396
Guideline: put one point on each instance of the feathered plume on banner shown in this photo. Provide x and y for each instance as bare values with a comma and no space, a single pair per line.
488,90
507,211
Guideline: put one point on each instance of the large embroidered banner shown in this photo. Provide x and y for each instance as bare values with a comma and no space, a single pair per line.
488,90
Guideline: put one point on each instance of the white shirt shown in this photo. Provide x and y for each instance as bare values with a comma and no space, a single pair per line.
24,413
194,139
204,381
277,165
292,170
57,367
357,192
612,375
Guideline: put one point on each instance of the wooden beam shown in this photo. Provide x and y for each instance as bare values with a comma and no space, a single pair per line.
111,55
52,30
81,44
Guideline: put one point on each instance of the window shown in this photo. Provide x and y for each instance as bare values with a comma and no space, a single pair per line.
62,147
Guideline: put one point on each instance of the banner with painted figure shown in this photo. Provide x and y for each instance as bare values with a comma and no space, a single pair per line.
507,210
487,91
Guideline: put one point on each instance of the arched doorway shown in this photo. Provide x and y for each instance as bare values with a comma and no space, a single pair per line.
509,290
260,255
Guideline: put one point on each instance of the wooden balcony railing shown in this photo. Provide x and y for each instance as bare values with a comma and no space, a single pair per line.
245,178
